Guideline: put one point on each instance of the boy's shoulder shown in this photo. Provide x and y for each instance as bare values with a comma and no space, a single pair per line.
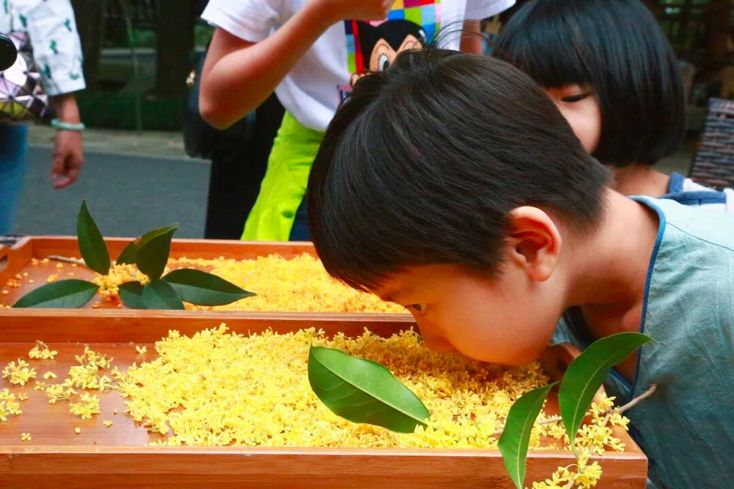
690,226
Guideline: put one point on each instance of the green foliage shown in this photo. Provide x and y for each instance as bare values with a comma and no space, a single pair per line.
131,294
91,244
203,288
149,253
158,294
64,294
587,372
515,439
127,256
363,391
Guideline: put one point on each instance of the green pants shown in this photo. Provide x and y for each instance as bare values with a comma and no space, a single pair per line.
284,185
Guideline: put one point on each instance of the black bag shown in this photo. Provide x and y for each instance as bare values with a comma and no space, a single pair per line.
22,97
200,139
8,53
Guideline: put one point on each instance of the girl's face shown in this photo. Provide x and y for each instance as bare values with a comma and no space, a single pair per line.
580,106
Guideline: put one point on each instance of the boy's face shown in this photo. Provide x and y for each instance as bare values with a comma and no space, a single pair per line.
508,319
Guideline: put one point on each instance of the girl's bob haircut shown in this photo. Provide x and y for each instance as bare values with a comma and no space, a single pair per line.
618,49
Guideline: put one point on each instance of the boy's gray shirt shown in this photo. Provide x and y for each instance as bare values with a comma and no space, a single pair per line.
687,427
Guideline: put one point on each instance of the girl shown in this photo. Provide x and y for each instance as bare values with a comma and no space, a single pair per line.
309,51
610,70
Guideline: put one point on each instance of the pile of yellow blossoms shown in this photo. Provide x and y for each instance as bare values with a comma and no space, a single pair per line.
299,284
218,388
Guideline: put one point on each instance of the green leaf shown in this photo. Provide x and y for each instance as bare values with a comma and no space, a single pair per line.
131,294
587,373
159,295
513,443
67,294
127,256
363,391
203,288
91,244
131,250
153,251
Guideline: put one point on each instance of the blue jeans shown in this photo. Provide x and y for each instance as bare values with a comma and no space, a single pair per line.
13,150
300,230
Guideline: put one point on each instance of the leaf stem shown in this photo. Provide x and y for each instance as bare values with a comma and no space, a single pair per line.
66,259
619,410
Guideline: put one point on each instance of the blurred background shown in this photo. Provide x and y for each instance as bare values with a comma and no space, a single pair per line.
138,55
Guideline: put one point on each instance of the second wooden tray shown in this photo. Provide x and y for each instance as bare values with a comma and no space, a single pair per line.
17,261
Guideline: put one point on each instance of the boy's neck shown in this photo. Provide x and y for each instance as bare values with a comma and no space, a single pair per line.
609,268
638,179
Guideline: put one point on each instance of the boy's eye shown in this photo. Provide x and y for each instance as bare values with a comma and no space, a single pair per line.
419,308
575,98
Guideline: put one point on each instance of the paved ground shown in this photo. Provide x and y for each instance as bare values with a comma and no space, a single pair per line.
132,182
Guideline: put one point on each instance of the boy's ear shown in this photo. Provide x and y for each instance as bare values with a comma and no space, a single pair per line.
534,242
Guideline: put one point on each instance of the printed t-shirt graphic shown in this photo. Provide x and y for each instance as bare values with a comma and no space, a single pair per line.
373,46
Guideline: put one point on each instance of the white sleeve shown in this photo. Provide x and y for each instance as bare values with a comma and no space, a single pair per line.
56,46
250,20
483,9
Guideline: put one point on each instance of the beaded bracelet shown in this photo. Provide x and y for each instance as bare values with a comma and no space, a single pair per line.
67,126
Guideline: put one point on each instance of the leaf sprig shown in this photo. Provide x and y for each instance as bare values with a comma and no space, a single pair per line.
365,392
149,253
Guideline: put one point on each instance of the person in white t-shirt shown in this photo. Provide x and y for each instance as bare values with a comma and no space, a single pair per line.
309,52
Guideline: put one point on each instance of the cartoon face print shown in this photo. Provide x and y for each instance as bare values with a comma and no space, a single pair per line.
373,46
381,44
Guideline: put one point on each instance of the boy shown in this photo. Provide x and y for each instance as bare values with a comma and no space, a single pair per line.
452,185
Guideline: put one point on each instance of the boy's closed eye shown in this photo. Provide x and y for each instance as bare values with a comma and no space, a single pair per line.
417,308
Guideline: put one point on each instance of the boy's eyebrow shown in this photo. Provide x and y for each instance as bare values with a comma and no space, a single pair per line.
394,295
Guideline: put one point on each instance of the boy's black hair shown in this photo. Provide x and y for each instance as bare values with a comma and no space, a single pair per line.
423,163
618,48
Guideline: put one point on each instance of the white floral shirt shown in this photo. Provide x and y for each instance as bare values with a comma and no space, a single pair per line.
51,27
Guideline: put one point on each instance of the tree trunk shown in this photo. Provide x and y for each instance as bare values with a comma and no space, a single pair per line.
719,35
174,42
90,24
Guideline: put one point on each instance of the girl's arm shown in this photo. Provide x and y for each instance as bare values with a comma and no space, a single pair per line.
471,39
239,75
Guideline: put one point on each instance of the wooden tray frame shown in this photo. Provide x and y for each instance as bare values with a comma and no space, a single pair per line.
17,259
24,466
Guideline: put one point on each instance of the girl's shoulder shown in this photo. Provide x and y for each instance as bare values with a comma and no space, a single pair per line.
687,192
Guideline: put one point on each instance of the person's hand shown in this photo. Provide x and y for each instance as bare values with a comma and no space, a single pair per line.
67,158
355,9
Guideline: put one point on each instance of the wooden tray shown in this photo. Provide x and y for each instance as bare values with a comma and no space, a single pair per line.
120,457
18,259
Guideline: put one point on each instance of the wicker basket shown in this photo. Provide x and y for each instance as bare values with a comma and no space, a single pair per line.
713,164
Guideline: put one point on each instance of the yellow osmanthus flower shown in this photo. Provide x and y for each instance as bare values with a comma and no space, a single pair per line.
59,392
42,352
25,437
9,405
118,275
19,372
86,407
49,375
296,284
